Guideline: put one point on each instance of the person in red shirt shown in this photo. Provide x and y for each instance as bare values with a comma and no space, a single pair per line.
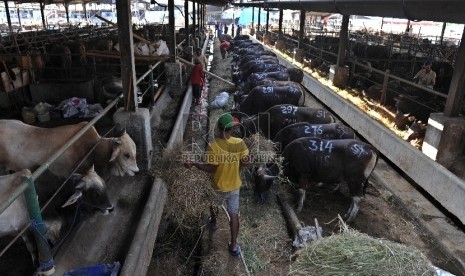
197,80
224,47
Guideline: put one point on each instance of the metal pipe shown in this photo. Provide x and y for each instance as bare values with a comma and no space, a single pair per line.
38,172
205,71
151,68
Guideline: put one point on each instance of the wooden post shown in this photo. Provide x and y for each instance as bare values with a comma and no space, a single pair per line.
194,18
457,83
267,20
128,72
66,4
343,40
172,31
384,89
84,9
199,22
8,18
259,17
19,19
302,28
42,7
444,25
290,215
280,24
186,22
253,16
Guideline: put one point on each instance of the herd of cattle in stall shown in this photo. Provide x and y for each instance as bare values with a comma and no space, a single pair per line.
412,105
315,146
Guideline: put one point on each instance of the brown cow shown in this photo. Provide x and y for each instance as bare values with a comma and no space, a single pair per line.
25,146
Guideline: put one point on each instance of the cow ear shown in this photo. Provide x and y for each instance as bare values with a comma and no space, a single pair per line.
120,131
116,150
77,195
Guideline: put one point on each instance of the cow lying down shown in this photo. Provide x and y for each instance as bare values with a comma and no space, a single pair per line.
314,160
89,189
26,146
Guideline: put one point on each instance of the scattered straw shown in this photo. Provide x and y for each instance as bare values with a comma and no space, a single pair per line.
355,253
189,191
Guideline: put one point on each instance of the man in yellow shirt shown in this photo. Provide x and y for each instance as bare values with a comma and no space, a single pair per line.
224,157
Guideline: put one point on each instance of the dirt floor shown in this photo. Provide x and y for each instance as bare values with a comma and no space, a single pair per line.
264,236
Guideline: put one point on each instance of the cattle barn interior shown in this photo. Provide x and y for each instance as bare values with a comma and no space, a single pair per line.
124,84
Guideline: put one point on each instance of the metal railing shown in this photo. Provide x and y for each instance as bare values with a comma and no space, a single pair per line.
27,187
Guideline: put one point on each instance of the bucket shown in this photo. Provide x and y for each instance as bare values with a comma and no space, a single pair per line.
29,117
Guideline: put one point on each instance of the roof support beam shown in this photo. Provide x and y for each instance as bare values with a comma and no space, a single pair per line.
267,20
456,92
186,23
302,29
280,24
8,18
194,17
172,31
128,72
343,39
253,16
259,17
42,7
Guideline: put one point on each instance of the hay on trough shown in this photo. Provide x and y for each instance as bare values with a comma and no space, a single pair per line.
189,190
355,253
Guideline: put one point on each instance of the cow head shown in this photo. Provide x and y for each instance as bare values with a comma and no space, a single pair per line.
416,131
123,157
249,126
263,178
403,121
92,191
295,75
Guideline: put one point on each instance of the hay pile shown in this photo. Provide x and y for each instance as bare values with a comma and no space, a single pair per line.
355,253
189,191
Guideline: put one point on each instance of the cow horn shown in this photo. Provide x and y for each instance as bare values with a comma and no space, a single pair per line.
269,177
77,195
92,169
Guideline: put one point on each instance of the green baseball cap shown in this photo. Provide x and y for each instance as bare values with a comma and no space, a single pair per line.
227,121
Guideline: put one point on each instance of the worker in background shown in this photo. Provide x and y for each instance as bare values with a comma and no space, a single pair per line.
197,81
224,47
426,77
203,59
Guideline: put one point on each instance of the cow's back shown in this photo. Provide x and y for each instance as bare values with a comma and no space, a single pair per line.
330,161
304,129
25,146
262,98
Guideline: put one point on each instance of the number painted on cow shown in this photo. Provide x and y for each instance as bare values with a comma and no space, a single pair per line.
268,89
289,109
315,130
321,113
358,150
287,122
321,146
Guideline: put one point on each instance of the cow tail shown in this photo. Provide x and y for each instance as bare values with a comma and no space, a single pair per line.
366,182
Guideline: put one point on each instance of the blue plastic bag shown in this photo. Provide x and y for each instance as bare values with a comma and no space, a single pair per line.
96,270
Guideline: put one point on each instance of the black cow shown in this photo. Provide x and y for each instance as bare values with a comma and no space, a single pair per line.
259,100
239,95
314,160
292,132
279,116
408,110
